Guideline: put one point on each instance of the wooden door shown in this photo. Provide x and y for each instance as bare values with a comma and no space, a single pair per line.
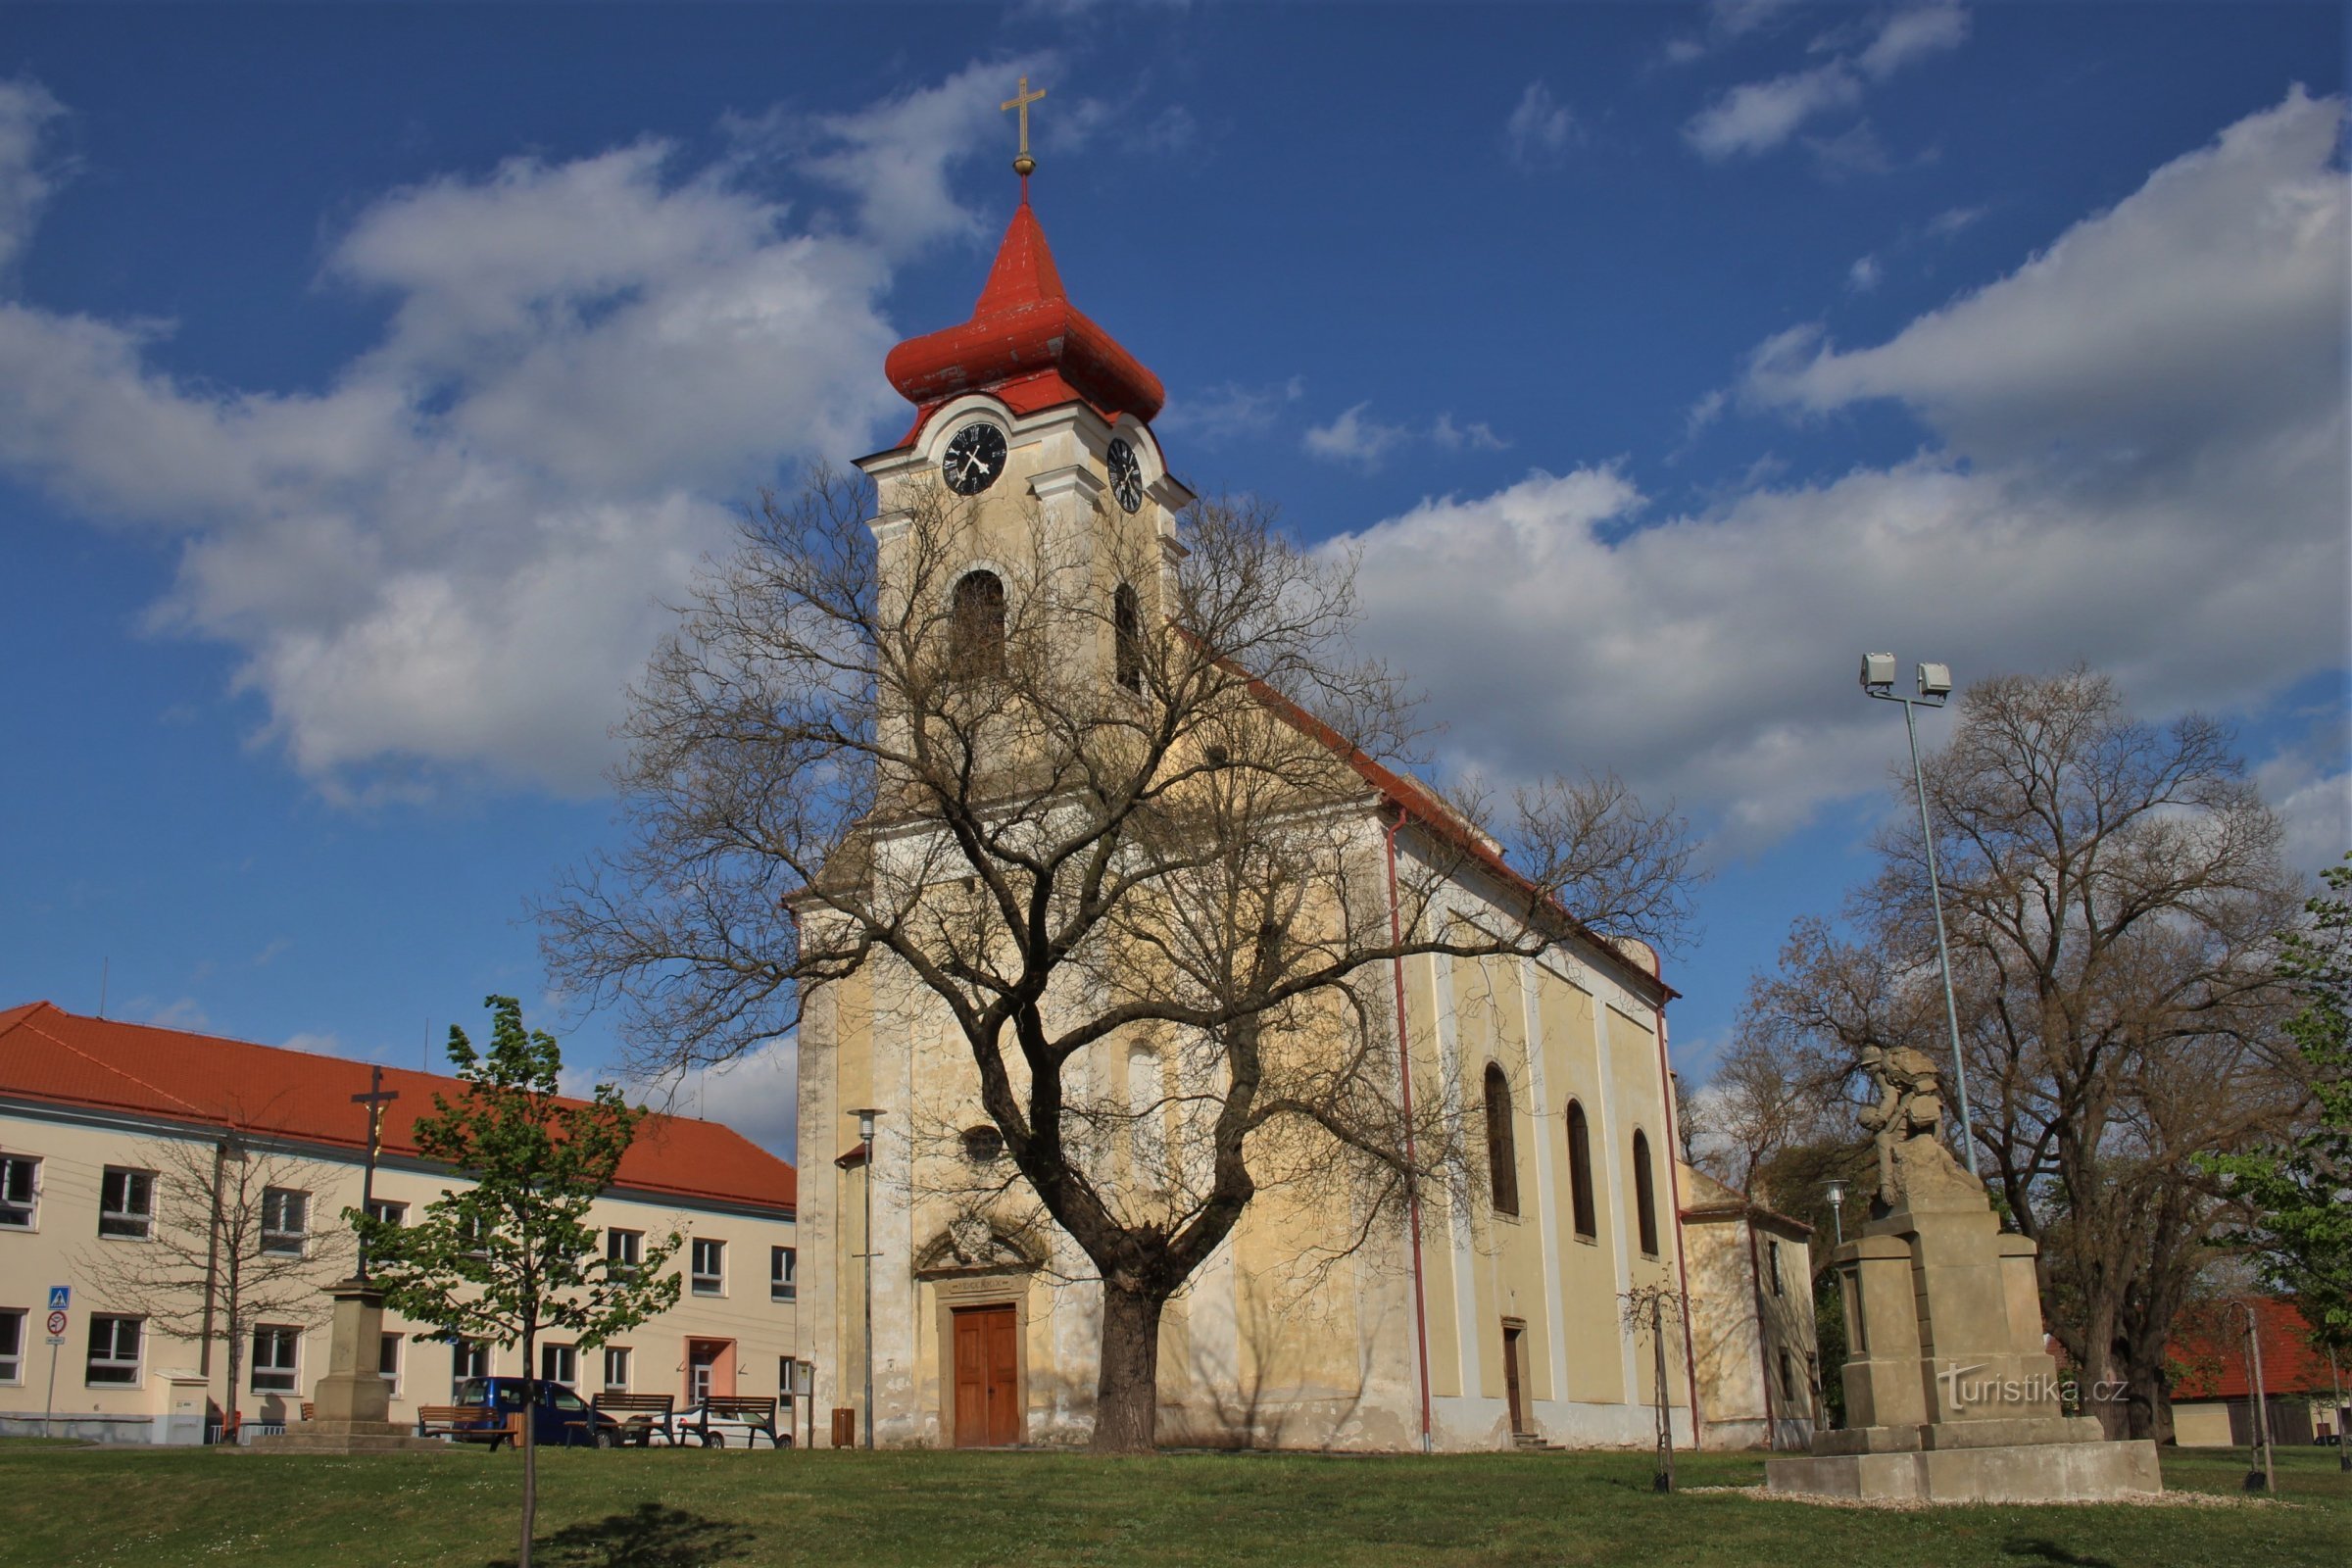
988,1385
1512,1332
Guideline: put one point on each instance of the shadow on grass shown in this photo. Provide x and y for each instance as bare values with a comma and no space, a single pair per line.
649,1536
2051,1551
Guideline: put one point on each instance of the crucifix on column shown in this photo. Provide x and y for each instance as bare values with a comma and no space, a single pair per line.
376,1097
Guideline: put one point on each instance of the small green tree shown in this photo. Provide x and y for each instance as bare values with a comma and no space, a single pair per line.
2299,1192
513,1255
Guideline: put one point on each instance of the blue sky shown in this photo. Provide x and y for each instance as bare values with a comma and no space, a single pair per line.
370,375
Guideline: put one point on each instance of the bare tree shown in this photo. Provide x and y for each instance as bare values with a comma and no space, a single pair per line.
1125,799
1769,1095
229,1246
2113,893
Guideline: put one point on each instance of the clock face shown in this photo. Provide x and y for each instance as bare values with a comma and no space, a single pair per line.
1126,475
974,458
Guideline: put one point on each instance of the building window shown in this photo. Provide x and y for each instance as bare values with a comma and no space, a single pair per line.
285,1221
114,1350
1646,1205
788,1380
468,1358
1127,635
387,1359
976,627
782,1271
1788,1381
474,1230
20,1186
1579,1174
617,1369
387,1212
709,1272
623,1250
126,1203
12,1346
1772,1264
559,1363
1502,1157
277,1354
983,1145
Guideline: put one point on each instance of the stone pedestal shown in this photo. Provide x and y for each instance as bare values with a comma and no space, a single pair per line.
1950,1396
351,1406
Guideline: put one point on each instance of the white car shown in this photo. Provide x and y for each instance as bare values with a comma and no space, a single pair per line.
726,1431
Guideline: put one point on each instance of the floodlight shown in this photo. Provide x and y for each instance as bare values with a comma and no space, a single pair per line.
1877,670
1934,680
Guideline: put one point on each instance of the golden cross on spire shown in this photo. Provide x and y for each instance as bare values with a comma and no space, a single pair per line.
1022,100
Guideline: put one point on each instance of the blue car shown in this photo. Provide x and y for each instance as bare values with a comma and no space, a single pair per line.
559,1416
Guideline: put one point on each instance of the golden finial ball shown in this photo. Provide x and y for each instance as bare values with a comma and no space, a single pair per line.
1024,165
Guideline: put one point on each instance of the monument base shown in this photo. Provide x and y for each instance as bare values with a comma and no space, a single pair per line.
2029,1472
348,1437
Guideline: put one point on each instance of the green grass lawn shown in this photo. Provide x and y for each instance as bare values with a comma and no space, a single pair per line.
679,1508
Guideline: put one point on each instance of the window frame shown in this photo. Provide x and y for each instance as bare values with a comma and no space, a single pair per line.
114,1223
467,1360
697,1275
554,1354
976,627
389,1211
396,1344
137,1364
12,1361
1127,637
1645,1197
614,1262
30,1204
274,1201
1584,1212
783,1273
609,1385
1502,1143
284,1335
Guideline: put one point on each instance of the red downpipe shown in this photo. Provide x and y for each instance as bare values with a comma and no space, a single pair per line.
1682,1261
1404,1073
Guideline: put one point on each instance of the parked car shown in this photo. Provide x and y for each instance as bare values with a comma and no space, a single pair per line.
726,1431
561,1417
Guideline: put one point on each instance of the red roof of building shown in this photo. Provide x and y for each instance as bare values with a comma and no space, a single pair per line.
65,1058
1025,343
2210,1347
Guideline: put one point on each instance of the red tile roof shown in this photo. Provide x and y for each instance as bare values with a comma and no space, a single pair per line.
65,1058
2210,1347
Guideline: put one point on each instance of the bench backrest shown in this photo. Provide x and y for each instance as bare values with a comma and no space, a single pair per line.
635,1401
742,1404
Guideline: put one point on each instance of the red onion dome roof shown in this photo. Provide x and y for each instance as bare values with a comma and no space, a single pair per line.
1025,342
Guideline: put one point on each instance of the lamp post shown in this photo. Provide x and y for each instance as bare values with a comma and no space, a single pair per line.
865,1115
2265,1479
1935,686
1837,1191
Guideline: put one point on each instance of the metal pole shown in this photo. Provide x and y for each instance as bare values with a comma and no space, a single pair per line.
2343,1446
2268,1479
49,1411
1943,952
870,1287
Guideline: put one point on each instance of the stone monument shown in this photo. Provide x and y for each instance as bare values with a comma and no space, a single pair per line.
350,1407
1950,1396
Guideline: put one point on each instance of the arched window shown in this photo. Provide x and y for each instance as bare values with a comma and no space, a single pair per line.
1646,1201
1503,1160
1580,1172
976,627
1127,627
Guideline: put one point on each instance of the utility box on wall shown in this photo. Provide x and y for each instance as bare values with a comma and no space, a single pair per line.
186,1396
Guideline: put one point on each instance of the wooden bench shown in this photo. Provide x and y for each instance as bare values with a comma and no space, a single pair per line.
468,1423
757,1411
640,1415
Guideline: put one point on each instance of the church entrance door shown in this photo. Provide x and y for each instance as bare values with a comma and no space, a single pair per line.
1512,1354
988,1391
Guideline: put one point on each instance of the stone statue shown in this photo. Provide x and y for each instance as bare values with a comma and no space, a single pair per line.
1910,1106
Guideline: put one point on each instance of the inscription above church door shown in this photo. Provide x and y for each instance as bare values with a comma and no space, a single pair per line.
988,1391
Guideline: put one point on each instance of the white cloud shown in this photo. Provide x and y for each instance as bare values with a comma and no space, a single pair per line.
1539,128
1220,413
1946,224
1354,437
1478,435
1864,274
26,181
1757,116
757,1094
449,557
1728,21
2140,463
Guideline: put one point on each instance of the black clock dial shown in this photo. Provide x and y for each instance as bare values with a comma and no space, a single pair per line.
974,458
1126,475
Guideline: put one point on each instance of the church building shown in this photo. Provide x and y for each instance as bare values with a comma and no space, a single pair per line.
1495,1320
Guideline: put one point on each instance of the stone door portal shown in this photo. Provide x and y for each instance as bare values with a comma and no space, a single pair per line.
1511,1355
988,1393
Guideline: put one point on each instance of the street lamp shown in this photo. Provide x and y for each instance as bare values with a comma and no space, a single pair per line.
865,1115
2265,1479
1935,687
1836,1189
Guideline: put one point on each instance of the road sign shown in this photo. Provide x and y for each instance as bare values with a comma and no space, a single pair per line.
57,1323
60,1297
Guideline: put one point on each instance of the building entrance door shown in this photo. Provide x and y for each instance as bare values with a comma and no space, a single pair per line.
1512,1354
988,1388
710,1369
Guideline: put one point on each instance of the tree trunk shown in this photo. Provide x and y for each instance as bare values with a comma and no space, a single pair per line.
1127,1392
530,1451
